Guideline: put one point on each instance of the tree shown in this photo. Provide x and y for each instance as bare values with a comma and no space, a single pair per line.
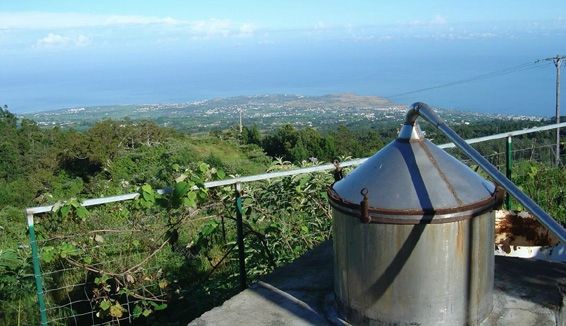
251,136
345,141
280,143
9,153
369,142
7,117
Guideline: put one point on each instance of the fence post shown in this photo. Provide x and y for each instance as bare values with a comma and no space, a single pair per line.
240,236
508,167
36,270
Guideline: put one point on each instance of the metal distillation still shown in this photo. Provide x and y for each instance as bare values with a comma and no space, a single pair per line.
414,232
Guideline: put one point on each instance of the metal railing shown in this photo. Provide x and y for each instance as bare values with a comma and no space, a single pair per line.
421,109
238,181
272,175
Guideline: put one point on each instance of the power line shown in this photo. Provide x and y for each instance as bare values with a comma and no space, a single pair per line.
557,60
506,71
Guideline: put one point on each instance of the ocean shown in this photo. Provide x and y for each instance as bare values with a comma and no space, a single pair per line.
390,69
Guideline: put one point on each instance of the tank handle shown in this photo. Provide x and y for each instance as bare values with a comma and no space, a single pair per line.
499,196
364,207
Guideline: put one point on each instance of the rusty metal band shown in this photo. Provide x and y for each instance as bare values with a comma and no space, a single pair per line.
416,216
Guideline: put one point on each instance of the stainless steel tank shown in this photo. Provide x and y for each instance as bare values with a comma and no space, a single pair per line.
413,237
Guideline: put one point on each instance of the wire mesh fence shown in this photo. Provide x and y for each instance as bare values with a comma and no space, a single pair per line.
540,153
105,268
120,263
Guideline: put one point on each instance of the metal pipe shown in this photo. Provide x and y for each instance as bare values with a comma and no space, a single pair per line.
37,271
558,64
422,109
508,167
507,134
240,237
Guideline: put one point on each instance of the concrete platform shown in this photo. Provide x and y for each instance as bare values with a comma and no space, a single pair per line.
527,292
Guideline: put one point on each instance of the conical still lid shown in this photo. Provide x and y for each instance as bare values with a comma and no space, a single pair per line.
412,181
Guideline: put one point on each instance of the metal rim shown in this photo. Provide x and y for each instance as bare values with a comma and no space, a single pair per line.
415,216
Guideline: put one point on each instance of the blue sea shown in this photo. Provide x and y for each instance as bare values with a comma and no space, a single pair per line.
390,69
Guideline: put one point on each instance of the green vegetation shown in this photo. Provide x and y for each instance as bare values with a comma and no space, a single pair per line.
545,185
40,166
132,260
299,145
167,258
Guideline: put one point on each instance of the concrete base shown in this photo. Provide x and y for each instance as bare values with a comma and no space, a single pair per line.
527,292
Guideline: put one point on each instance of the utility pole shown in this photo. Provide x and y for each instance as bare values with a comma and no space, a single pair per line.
241,125
557,60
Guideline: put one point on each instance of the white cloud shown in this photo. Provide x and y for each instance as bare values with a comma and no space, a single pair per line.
320,26
437,20
82,40
211,27
59,22
140,20
247,29
53,40
220,28
50,21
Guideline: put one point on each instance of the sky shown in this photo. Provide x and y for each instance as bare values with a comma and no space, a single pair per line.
45,44
49,25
